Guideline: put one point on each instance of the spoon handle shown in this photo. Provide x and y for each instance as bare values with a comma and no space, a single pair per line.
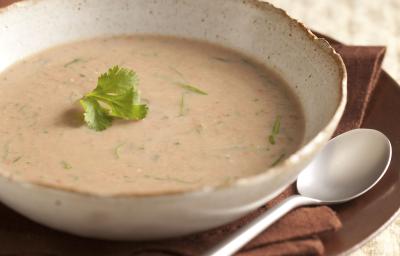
249,231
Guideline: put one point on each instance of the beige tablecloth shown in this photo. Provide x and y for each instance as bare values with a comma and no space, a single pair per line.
361,22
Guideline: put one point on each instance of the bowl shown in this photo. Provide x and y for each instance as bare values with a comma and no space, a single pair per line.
311,67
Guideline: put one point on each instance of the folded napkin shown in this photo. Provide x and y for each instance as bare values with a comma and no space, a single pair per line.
295,234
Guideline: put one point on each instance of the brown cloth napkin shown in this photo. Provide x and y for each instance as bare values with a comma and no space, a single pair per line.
295,234
364,67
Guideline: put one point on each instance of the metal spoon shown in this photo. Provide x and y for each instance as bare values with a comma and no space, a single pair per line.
350,165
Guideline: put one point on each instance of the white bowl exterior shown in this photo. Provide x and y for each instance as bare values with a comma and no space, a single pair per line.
312,69
127,218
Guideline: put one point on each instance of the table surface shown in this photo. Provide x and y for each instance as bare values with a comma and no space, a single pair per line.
363,23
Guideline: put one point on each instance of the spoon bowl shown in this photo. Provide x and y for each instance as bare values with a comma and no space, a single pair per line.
350,165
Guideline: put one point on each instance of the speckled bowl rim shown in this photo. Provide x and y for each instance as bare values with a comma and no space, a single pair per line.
305,150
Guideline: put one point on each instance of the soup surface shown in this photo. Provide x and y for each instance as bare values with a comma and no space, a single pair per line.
188,140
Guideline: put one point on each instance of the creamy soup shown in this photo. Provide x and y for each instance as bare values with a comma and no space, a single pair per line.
247,122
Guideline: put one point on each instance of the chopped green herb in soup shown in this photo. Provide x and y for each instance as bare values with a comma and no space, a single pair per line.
167,115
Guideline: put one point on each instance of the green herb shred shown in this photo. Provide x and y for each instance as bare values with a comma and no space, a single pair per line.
222,59
72,62
66,165
199,128
156,157
117,150
6,150
275,130
182,105
170,179
180,74
191,88
278,160
17,159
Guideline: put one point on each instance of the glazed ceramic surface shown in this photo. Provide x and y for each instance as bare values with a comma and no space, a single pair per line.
309,65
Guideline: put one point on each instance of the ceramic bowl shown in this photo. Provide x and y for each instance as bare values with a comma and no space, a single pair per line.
313,70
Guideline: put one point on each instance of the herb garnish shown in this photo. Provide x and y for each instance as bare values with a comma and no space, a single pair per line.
6,150
72,62
222,59
182,105
191,88
116,95
199,128
278,160
170,179
275,130
66,165
185,84
155,157
17,159
117,150
248,63
182,77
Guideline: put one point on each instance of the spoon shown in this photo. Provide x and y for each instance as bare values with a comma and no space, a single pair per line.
350,165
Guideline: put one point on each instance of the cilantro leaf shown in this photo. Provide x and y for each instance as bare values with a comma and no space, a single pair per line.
116,95
96,116
117,80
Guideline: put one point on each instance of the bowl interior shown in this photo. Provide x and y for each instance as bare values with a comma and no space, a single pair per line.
254,28
309,66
